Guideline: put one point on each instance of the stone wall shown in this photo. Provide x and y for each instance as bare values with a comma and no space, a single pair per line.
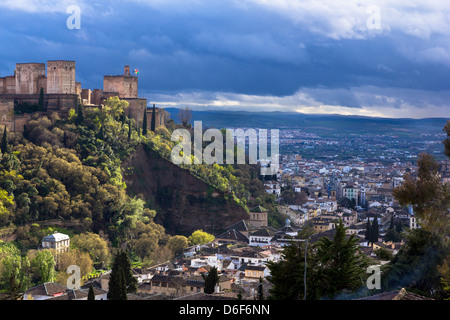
8,85
60,102
125,86
136,109
7,114
161,116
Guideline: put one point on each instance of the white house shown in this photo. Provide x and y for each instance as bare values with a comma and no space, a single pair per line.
261,237
272,187
211,260
58,241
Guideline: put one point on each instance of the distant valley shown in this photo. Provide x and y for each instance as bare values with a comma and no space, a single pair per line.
319,124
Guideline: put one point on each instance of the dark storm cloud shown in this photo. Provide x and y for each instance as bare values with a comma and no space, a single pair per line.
291,52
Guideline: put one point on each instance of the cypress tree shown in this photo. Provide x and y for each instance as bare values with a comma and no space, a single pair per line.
144,123
260,290
399,228
374,230
41,100
4,144
121,279
391,225
153,124
129,130
367,234
101,133
25,131
80,117
210,280
116,285
91,294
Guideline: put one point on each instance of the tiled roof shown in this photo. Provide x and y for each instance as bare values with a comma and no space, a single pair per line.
263,232
47,289
256,268
396,295
55,237
162,278
71,294
240,226
205,296
258,209
232,234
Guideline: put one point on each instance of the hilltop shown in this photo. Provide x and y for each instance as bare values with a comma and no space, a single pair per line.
315,123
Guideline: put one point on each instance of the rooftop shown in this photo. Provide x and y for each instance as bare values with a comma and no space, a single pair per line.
56,237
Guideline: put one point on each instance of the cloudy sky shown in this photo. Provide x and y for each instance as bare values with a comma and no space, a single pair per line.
376,57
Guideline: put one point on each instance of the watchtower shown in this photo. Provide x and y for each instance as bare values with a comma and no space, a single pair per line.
61,77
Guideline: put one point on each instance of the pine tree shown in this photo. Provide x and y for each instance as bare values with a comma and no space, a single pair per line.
287,275
91,294
144,123
341,266
153,123
4,146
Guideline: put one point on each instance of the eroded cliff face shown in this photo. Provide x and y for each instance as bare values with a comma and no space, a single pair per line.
183,202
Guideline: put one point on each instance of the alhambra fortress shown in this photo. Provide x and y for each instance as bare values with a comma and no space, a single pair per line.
62,92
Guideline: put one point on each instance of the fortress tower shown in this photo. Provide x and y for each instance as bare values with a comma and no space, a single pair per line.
125,86
61,77
30,77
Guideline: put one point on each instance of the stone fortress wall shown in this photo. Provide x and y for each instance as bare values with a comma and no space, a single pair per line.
62,91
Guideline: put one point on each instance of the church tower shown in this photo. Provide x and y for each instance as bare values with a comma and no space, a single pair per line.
258,217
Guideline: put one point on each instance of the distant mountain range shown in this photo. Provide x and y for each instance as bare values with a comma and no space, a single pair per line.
316,123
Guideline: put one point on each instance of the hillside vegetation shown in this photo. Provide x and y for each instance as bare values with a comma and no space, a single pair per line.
67,174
